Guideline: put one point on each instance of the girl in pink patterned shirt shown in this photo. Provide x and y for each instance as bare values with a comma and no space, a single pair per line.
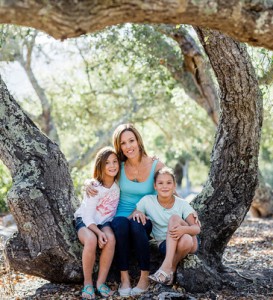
92,222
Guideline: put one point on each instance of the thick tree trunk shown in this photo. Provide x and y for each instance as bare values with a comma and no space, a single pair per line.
247,21
228,193
40,199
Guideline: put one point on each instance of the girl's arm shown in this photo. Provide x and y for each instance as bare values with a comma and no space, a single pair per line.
192,228
102,238
89,209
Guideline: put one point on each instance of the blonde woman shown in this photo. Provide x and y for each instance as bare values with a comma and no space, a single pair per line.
136,180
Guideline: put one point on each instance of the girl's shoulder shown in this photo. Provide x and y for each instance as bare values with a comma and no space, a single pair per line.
148,198
180,200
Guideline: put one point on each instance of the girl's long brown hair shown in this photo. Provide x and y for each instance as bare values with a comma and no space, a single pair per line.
100,162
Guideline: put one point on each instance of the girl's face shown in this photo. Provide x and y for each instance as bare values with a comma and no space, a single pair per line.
129,145
164,185
111,166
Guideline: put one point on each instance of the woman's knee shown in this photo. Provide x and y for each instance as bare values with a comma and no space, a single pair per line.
137,228
120,226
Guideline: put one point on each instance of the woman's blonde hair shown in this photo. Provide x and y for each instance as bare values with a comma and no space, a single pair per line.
117,140
100,162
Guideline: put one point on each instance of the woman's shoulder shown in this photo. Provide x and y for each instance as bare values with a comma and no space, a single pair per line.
154,160
159,165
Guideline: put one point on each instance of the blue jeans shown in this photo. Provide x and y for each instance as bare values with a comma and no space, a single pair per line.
131,232
162,247
78,224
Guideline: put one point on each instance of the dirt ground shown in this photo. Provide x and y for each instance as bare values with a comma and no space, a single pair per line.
249,258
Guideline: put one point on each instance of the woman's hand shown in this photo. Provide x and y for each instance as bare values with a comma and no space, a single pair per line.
90,188
139,217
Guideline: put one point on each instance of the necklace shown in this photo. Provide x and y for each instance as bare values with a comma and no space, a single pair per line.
134,171
167,205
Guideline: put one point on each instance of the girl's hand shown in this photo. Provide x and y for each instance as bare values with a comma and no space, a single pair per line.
196,219
176,232
102,239
139,217
90,188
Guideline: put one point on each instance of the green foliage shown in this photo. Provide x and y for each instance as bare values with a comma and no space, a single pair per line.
95,81
5,184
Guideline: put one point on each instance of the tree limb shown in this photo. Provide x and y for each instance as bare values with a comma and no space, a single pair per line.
246,21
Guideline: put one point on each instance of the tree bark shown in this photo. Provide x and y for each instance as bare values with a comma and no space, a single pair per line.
234,160
41,199
228,193
246,21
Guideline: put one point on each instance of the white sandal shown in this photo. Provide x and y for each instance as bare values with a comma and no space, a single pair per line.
167,280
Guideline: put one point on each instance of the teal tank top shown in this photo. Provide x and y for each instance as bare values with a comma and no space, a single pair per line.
131,192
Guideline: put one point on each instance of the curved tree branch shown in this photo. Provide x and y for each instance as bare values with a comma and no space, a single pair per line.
246,21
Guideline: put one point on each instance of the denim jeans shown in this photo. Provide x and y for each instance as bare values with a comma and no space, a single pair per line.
130,232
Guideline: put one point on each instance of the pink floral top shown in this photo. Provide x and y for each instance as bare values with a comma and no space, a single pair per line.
101,208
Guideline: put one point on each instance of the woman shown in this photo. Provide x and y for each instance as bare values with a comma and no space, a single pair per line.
136,181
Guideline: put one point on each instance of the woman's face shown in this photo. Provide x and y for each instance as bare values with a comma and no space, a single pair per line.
129,145
164,185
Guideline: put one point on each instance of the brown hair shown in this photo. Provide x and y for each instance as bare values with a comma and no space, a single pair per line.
100,162
164,170
117,140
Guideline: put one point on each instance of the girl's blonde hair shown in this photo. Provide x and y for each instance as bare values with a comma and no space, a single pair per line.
100,162
164,170
117,140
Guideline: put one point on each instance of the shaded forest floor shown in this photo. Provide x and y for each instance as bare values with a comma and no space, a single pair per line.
249,256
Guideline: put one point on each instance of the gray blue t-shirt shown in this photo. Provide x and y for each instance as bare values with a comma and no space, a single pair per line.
160,216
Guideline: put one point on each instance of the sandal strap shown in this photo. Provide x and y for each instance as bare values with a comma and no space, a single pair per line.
91,292
161,272
103,288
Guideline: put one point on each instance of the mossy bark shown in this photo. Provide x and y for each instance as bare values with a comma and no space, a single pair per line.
234,161
41,198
